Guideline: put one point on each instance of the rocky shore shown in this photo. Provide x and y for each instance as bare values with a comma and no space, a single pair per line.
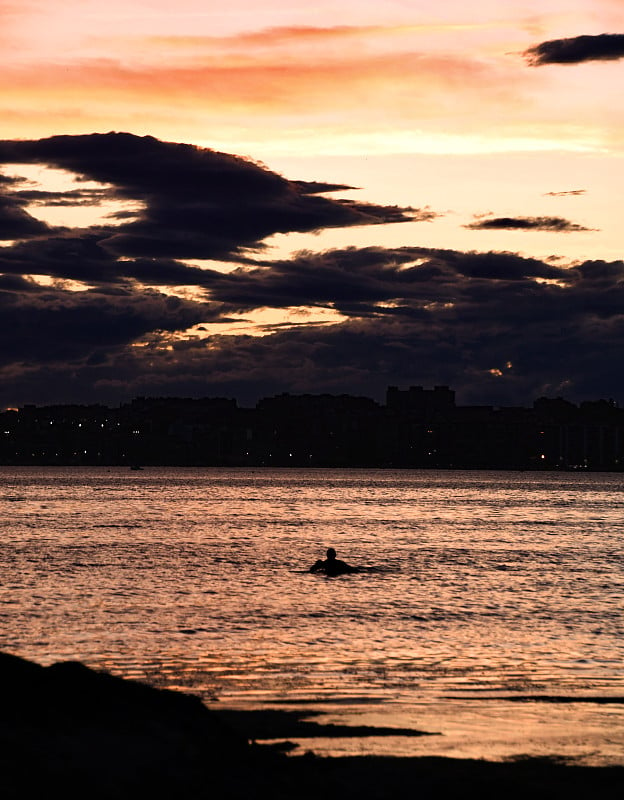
70,731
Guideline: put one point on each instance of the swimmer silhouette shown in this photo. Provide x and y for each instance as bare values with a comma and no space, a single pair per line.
332,565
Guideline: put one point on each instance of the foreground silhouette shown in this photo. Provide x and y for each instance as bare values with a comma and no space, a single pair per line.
333,566
68,731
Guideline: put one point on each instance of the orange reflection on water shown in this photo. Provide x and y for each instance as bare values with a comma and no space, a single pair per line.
484,586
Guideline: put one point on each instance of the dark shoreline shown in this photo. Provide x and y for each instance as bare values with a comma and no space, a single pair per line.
70,730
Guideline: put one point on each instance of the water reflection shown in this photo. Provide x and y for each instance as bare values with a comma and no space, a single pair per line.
487,584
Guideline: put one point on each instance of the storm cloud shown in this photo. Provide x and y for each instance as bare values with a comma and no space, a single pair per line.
197,203
108,312
577,49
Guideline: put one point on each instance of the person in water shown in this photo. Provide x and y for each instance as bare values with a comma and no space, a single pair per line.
332,565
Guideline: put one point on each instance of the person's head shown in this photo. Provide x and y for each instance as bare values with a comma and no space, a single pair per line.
331,554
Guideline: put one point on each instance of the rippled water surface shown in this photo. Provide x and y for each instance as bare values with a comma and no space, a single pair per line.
485,595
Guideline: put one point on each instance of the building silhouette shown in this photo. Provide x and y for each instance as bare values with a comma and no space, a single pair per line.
415,428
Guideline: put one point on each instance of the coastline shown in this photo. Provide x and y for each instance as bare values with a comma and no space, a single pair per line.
582,731
68,728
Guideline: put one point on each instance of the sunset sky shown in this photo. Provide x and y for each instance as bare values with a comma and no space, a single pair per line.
413,193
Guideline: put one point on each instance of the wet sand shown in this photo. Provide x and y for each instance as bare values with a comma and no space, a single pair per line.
68,730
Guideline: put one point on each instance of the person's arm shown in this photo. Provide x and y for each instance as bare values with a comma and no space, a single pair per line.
316,567
342,566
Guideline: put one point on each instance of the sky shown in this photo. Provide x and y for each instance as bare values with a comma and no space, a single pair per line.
243,199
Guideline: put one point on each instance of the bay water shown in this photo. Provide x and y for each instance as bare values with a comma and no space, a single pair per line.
488,611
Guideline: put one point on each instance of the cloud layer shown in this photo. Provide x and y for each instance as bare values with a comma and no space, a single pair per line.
198,203
117,311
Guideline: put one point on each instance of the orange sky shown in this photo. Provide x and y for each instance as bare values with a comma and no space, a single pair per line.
345,92
73,67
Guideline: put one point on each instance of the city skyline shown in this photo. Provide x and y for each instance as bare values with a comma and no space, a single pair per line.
255,200
415,428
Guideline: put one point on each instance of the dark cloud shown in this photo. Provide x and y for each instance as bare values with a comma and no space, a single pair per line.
83,258
74,197
553,224
603,47
50,325
186,230
17,283
498,327
16,223
361,281
494,340
198,203
318,187
473,322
